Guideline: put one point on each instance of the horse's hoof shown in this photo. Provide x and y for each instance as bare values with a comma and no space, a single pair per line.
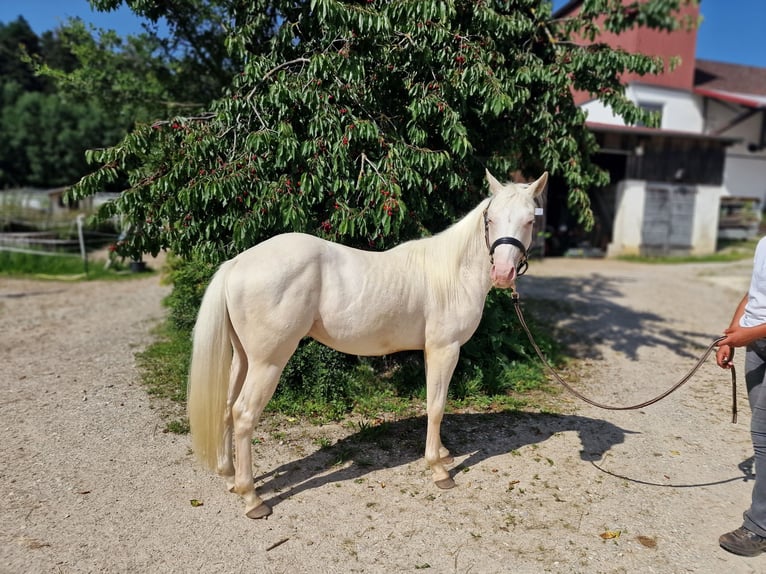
260,511
445,483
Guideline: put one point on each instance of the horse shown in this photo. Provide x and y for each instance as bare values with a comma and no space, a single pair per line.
426,294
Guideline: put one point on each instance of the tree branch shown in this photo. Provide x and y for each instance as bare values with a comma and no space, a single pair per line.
201,118
275,70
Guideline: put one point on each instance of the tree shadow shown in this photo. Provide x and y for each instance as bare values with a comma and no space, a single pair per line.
593,301
23,294
588,307
391,444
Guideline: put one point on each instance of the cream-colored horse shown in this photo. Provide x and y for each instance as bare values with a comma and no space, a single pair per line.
426,294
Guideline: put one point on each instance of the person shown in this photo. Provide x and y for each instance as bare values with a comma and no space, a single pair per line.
748,329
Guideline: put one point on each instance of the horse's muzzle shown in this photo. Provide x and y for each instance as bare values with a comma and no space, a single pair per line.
503,276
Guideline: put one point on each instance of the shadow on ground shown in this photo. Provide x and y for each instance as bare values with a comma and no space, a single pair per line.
594,301
391,444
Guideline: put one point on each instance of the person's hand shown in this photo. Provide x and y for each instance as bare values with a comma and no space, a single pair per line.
724,356
739,336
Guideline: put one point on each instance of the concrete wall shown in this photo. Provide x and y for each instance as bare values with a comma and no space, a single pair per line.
681,110
706,212
745,175
629,219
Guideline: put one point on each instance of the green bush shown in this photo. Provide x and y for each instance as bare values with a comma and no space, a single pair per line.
499,358
189,279
318,380
321,382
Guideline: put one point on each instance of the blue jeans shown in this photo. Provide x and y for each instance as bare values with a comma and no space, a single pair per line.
755,376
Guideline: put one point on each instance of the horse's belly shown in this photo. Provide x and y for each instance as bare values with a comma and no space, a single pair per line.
386,339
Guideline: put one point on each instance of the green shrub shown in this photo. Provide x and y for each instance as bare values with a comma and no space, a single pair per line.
189,279
318,378
498,359
321,382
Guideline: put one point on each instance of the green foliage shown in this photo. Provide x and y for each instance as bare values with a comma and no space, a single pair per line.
498,359
15,38
78,88
135,78
718,257
43,139
12,263
125,76
368,123
189,279
167,359
496,366
43,134
316,380
190,37
164,365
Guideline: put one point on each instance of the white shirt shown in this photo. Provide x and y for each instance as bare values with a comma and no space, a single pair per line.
755,309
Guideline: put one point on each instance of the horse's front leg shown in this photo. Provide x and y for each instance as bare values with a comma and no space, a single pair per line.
440,364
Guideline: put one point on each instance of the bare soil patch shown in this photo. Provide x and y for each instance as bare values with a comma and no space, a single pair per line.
90,483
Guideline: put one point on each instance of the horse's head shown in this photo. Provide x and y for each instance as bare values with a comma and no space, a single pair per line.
508,221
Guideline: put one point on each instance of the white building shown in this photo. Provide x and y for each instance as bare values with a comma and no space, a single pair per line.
697,179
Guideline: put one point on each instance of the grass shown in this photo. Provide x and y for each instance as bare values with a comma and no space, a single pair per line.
164,365
59,266
727,252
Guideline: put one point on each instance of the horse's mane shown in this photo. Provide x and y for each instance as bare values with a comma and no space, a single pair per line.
438,258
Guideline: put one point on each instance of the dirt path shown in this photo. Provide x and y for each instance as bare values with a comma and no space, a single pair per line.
90,483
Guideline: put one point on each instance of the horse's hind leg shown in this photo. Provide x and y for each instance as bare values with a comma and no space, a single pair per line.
440,364
236,379
258,387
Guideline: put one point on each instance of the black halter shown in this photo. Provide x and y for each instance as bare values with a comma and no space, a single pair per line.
523,265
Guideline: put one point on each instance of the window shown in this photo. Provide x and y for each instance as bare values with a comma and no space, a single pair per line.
651,107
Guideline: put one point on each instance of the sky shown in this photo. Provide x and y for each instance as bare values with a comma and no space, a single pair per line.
731,31
45,15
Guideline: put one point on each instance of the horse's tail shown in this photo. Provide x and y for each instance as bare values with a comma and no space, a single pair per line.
209,372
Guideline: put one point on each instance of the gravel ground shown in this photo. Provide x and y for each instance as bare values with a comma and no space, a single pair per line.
89,482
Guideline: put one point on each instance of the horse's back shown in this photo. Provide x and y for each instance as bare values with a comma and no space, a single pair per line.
287,246
359,302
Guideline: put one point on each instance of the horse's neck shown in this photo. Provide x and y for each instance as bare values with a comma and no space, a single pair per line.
473,255
457,258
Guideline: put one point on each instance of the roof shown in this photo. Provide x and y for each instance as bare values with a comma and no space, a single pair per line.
734,83
730,78
745,100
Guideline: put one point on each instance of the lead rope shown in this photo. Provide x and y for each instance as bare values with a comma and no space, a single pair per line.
684,379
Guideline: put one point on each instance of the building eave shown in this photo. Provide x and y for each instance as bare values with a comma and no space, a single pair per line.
746,100
660,133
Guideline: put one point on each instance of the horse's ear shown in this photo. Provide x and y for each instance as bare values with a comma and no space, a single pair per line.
494,185
539,185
